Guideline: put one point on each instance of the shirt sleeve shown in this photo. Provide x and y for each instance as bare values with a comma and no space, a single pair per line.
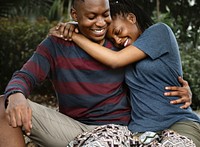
33,72
154,41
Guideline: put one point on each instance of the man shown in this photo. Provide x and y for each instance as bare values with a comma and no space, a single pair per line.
89,93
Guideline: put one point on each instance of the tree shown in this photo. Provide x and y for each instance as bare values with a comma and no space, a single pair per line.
185,16
53,10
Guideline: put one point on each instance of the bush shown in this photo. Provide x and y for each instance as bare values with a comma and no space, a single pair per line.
18,39
191,72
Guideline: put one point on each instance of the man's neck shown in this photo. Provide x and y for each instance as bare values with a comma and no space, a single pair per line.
99,42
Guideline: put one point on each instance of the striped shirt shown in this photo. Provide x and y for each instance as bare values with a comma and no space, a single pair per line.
87,90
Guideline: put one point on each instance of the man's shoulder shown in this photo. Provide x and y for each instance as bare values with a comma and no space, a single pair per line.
109,44
57,40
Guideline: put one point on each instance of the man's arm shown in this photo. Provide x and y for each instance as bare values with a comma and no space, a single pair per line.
33,72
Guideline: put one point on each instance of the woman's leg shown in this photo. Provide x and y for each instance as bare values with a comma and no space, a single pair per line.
189,129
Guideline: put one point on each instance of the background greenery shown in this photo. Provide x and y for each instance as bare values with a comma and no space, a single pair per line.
24,24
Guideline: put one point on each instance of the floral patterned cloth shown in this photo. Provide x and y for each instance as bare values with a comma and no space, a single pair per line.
119,136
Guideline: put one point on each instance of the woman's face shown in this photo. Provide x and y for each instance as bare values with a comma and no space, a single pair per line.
123,30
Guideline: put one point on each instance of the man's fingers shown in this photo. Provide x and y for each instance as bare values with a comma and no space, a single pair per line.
173,93
186,105
18,119
26,120
12,122
178,101
183,82
183,101
174,88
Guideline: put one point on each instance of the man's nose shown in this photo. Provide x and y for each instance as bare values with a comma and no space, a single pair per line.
101,22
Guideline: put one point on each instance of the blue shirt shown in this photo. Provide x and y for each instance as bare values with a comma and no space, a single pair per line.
147,79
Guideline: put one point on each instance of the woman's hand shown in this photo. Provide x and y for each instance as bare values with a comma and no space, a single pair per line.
183,92
64,30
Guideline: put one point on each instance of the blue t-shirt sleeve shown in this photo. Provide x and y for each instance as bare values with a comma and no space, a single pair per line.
154,41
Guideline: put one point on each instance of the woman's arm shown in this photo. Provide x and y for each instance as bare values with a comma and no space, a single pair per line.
64,30
184,93
109,57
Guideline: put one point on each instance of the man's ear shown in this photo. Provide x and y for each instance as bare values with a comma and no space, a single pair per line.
73,14
132,18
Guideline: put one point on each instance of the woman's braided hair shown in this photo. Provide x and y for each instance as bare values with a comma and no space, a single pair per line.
124,7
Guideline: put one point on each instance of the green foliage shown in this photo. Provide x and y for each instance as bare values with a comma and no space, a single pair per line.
31,9
18,39
191,66
56,11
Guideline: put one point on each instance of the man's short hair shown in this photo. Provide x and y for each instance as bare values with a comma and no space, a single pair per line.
74,2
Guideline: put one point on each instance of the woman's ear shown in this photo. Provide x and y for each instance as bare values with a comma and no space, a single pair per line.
132,18
73,14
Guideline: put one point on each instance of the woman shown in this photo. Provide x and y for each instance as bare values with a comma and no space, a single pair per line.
151,51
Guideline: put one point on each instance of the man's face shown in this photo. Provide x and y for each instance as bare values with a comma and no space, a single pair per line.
93,17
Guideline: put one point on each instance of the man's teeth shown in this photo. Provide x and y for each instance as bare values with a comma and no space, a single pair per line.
99,31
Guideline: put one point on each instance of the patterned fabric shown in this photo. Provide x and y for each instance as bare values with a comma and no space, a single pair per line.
119,136
173,139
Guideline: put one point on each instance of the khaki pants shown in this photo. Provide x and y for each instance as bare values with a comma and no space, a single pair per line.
53,129
189,129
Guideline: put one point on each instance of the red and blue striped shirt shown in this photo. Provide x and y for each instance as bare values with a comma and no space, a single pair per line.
87,90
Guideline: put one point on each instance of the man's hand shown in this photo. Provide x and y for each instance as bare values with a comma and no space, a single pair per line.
183,92
64,30
18,112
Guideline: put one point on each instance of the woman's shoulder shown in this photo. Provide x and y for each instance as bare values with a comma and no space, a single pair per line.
160,27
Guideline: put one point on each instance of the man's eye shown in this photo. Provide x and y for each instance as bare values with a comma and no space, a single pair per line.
117,32
90,18
107,15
